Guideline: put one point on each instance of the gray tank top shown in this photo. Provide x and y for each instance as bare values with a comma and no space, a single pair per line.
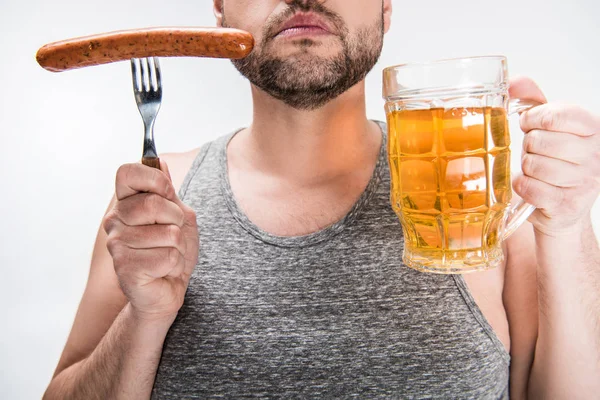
333,314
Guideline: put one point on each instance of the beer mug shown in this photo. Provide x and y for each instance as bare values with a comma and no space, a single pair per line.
449,158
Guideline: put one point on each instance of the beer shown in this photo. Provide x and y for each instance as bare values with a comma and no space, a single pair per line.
450,185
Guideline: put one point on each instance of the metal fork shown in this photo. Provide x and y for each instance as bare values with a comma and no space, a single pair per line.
147,88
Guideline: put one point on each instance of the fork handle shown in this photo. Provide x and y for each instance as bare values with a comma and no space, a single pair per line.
153,162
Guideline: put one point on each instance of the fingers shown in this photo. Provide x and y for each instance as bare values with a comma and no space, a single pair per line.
552,171
561,118
145,209
550,198
148,237
141,265
540,194
563,146
561,159
135,178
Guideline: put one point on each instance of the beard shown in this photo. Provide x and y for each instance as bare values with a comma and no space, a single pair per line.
308,82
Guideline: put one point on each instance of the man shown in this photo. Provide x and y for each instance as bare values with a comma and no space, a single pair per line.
294,286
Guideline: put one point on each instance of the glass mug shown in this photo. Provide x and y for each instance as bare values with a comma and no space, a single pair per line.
449,159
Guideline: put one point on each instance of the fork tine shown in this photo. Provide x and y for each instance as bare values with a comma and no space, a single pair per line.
146,78
152,74
158,78
135,74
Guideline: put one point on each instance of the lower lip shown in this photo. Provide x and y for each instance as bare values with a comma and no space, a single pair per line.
303,31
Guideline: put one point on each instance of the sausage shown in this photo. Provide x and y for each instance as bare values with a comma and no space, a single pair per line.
160,42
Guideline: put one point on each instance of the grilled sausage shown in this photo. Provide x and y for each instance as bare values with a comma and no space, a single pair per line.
160,42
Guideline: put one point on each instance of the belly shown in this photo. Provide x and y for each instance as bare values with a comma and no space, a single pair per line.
370,347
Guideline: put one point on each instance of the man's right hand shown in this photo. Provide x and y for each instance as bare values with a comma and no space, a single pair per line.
153,240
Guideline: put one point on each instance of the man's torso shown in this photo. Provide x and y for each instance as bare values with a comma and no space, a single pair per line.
333,313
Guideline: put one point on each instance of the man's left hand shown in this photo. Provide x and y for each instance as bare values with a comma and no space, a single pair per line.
560,162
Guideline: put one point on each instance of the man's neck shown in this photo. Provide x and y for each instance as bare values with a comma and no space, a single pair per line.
307,147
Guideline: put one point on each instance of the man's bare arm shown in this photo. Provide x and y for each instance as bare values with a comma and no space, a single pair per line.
122,366
567,354
521,305
106,335
561,178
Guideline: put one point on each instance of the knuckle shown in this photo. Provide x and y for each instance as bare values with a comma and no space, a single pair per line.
169,191
531,141
549,118
175,234
113,247
172,257
158,183
118,252
189,213
180,222
525,121
155,173
115,238
110,221
528,164
525,187
123,172
150,204
188,217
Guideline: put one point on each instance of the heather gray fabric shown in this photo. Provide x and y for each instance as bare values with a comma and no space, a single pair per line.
333,314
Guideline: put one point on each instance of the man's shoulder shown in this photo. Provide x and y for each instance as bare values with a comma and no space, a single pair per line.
179,164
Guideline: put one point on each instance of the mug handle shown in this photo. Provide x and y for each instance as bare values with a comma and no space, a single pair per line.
520,211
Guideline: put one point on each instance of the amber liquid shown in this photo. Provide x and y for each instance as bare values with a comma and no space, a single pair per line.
451,185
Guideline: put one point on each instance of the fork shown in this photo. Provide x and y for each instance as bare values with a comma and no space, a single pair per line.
147,88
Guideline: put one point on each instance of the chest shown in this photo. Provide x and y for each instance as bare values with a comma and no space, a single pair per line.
296,213
281,208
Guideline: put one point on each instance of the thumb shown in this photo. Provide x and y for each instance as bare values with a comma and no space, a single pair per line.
522,87
165,168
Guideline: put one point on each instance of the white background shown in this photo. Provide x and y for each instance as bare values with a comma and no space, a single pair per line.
64,135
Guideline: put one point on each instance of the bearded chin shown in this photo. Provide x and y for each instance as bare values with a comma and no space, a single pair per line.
309,84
